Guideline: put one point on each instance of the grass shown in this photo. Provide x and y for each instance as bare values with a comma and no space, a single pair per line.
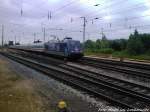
101,53
17,95
136,57
115,54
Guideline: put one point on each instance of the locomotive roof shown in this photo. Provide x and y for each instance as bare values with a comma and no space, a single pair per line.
63,41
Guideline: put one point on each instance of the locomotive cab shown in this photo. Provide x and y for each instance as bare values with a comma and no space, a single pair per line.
74,48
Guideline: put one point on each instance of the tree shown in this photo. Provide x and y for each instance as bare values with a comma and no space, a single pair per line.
115,45
89,44
104,42
118,44
98,44
123,43
145,38
135,45
136,33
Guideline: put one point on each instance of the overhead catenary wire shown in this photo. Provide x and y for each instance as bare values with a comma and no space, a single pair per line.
104,8
116,3
124,11
66,5
129,27
78,18
130,8
121,29
116,19
127,19
119,19
70,3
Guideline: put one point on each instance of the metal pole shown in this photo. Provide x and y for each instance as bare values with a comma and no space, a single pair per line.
34,37
102,32
84,30
2,35
15,39
84,25
44,34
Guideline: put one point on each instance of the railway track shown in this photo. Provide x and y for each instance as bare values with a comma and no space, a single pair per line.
108,88
97,76
122,67
133,69
125,64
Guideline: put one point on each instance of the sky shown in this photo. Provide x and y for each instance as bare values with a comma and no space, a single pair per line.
24,20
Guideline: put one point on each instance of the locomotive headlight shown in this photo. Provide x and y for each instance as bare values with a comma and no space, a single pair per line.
76,49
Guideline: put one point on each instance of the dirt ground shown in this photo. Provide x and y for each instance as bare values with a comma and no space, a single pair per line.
16,94
25,90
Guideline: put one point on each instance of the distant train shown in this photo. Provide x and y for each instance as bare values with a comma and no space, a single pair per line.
66,48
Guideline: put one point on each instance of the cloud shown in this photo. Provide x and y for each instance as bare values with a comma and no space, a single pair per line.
118,14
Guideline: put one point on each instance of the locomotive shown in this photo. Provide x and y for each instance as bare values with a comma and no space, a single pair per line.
66,48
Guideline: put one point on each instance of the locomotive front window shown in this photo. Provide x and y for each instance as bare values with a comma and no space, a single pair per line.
74,45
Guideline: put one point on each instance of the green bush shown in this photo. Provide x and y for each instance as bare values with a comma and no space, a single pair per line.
103,51
106,51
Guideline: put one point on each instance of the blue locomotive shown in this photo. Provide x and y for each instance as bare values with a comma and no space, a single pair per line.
67,48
